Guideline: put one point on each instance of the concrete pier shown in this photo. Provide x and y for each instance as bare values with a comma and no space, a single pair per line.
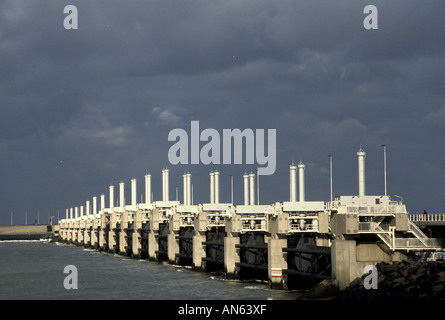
173,242
282,243
277,262
153,244
231,255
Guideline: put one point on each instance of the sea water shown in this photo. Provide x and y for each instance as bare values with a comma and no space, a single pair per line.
35,270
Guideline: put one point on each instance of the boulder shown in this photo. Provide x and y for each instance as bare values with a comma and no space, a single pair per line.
405,280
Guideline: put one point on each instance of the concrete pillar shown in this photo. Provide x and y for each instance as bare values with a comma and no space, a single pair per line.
153,244
81,224
199,250
122,233
86,235
344,262
94,230
231,255
111,239
173,247
137,224
276,262
102,241
68,231
172,242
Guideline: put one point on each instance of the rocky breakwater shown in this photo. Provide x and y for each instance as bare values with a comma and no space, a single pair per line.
405,280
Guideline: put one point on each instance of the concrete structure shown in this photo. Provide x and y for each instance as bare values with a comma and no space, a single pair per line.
28,232
279,242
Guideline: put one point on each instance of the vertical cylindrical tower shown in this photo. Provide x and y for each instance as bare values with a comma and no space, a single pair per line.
163,184
301,167
293,182
87,206
81,211
361,155
111,197
133,192
71,213
246,189
66,213
166,198
189,189
102,202
216,174
148,188
184,187
212,187
252,188
76,212
121,194
94,205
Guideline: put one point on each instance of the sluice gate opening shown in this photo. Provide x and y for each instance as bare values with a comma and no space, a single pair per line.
253,256
214,249
185,255
162,238
307,263
143,240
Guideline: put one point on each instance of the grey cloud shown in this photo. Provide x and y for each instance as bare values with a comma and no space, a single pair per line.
103,98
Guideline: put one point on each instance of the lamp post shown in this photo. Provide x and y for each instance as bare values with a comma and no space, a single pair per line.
384,166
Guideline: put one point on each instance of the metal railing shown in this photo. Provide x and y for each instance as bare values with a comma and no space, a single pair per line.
414,243
427,217
186,220
296,226
253,222
373,227
215,220
372,209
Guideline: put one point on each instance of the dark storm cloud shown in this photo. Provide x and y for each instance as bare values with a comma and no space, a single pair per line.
82,109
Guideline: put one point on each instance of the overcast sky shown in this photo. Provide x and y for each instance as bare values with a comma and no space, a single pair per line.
83,109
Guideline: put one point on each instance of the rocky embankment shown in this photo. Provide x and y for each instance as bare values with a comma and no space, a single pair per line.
406,280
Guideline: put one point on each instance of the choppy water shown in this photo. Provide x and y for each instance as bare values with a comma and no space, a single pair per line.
34,270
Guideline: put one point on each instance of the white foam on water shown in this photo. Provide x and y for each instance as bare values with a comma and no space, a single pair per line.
17,241
255,287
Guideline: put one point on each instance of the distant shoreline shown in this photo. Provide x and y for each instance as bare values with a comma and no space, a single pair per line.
25,232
